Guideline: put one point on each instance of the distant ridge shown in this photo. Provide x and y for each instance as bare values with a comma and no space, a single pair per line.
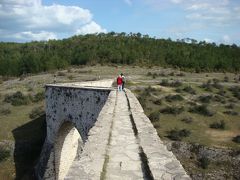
117,48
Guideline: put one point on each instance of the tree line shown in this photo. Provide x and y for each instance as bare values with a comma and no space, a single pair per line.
116,48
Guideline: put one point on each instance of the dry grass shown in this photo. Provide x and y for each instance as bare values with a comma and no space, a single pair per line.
221,136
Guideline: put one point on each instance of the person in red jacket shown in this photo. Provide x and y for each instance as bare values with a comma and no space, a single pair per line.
119,83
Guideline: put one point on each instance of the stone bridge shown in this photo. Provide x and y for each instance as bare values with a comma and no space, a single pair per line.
95,132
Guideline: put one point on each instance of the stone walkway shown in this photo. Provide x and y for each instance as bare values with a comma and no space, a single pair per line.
123,145
123,151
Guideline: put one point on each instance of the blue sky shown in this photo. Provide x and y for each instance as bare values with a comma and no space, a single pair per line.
210,20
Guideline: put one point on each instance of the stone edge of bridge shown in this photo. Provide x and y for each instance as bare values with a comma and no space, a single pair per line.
105,84
162,163
91,163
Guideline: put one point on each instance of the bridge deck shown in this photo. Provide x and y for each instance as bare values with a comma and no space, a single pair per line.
123,144
124,160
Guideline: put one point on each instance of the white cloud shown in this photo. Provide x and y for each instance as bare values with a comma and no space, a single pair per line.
209,12
90,28
21,2
36,36
199,6
129,2
176,1
213,12
201,18
31,20
208,40
226,39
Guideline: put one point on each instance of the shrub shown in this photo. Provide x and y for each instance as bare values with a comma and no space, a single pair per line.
217,86
230,106
142,100
204,162
207,86
156,126
235,91
232,100
178,135
69,70
218,98
5,110
4,153
178,90
236,139
176,84
39,96
191,103
189,89
149,74
150,89
70,77
154,75
17,99
176,97
215,83
29,89
22,77
171,74
147,91
226,79
61,74
187,120
218,125
164,82
172,110
158,102
181,74
36,112
205,98
201,109
221,92
5,78
172,84
233,113
162,74
154,116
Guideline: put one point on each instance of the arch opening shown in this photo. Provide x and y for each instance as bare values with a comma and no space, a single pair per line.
66,148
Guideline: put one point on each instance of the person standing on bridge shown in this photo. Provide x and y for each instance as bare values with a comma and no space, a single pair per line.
119,83
123,81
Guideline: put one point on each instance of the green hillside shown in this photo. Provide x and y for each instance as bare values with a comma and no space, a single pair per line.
116,48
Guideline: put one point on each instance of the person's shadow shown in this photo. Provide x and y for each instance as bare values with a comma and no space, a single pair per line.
29,139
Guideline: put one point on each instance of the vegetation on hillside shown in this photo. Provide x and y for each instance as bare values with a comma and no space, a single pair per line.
116,48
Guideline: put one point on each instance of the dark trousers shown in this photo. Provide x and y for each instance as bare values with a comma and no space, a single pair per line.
123,85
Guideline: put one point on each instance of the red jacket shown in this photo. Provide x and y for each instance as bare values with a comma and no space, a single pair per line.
119,81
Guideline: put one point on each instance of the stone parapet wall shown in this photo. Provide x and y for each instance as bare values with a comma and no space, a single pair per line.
90,164
162,163
106,83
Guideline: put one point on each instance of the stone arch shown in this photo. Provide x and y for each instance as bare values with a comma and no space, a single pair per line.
67,102
66,146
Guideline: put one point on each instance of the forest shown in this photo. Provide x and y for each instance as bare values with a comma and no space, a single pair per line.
117,48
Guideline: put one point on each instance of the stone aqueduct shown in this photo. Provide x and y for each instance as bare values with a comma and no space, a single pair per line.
94,132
